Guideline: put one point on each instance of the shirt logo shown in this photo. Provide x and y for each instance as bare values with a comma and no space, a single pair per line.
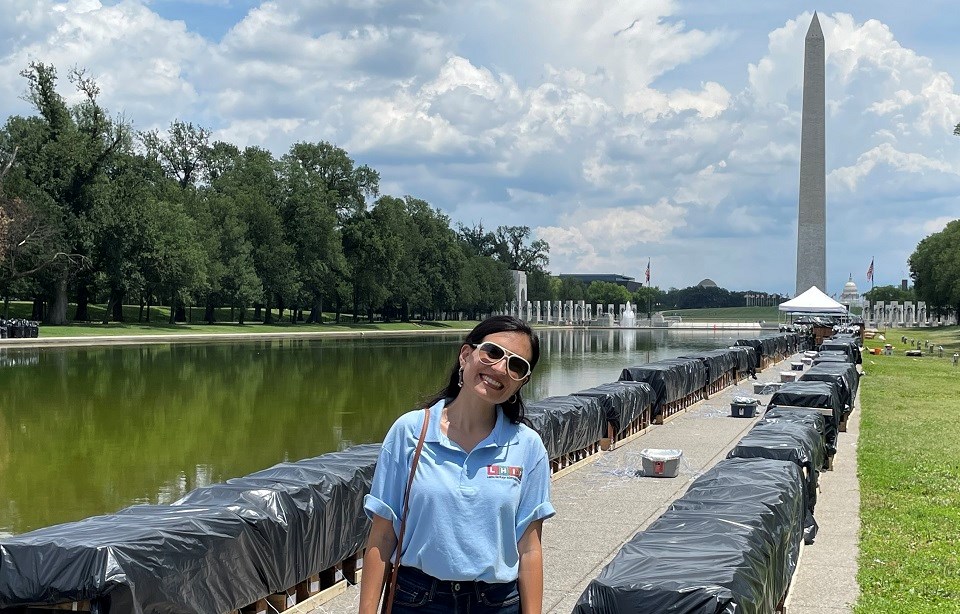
501,472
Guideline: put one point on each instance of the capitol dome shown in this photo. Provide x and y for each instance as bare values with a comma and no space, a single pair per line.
851,294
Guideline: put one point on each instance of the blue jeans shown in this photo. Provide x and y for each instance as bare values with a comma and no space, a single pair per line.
418,593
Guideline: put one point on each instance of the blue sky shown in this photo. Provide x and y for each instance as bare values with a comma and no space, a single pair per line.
618,131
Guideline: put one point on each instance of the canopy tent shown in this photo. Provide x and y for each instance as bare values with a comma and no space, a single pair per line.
813,301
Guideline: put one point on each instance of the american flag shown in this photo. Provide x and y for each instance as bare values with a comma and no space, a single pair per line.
870,271
648,271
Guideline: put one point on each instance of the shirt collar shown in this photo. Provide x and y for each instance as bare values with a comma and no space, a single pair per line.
504,431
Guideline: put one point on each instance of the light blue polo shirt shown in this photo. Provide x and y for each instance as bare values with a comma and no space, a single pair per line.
467,511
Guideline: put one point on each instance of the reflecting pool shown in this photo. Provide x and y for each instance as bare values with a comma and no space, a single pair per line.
86,431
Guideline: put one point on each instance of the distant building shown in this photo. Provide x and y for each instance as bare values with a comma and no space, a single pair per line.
707,283
586,279
851,294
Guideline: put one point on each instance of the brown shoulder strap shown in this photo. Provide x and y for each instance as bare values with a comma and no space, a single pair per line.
392,585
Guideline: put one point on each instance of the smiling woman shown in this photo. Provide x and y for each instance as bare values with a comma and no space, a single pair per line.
473,464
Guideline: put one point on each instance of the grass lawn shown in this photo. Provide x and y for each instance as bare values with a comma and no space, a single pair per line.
114,328
727,314
159,324
909,469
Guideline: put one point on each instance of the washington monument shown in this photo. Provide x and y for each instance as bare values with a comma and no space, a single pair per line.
812,226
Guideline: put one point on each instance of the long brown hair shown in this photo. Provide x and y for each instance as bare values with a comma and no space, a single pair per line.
513,408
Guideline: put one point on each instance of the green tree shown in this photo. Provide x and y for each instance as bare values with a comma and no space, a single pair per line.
571,289
64,150
607,293
183,153
173,261
539,286
889,293
511,246
310,214
646,298
935,269
250,180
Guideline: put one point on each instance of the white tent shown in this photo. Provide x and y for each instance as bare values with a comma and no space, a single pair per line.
813,301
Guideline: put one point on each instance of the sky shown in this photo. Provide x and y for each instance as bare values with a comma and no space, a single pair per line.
620,132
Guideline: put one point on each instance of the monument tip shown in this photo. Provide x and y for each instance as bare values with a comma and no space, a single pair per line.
814,30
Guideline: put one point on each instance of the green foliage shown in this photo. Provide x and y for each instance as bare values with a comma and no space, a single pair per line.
935,269
184,221
607,293
647,298
539,287
909,467
889,293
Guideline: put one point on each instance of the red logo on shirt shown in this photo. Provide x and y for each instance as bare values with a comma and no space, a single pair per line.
504,471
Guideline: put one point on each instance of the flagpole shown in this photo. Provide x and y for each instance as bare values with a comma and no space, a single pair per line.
871,273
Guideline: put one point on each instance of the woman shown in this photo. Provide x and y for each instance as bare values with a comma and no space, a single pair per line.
480,494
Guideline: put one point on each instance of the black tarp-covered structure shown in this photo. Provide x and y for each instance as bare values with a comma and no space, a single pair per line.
814,394
845,375
832,356
218,549
757,347
843,345
567,423
789,441
622,402
729,545
745,357
718,362
800,415
671,379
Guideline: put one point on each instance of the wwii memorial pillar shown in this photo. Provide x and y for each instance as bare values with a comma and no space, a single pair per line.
812,226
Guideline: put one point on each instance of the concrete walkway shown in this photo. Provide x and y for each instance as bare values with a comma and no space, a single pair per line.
602,505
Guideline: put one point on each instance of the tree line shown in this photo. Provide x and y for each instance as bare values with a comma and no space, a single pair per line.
646,298
94,212
935,269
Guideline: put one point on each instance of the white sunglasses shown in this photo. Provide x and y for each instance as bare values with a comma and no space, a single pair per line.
490,354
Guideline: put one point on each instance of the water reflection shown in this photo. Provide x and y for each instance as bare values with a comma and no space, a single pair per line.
85,431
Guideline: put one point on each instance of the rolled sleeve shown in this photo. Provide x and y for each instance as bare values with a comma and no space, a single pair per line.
386,491
535,497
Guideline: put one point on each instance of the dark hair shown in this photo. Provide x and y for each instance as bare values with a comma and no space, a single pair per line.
512,409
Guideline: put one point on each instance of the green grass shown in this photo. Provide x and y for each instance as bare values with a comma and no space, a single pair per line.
159,324
947,336
909,470
114,328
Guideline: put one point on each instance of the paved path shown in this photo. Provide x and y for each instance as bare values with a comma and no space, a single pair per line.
602,505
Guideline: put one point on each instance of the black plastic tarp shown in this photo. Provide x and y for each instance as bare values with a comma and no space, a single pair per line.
218,549
849,372
843,374
622,402
717,550
671,379
788,441
757,346
567,423
718,362
816,394
745,357
802,415
832,356
849,346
